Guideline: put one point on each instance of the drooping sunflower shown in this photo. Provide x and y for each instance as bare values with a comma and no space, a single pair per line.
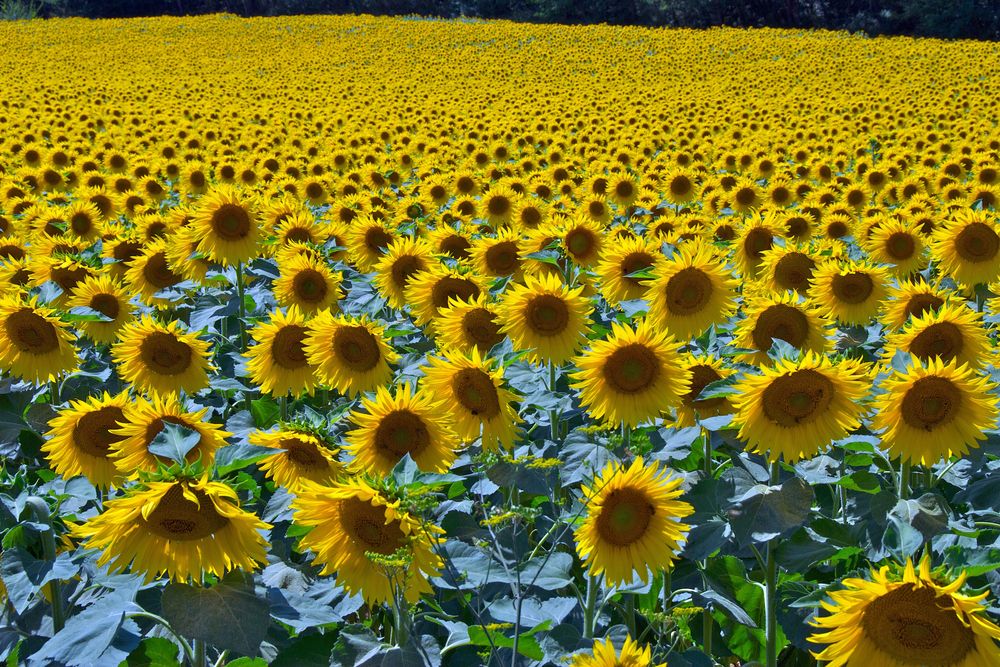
144,419
793,410
545,317
183,529
852,292
622,258
469,324
403,259
308,283
183,257
899,244
227,226
106,296
407,421
953,331
704,370
908,299
604,654
934,409
161,358
906,618
632,523
79,440
430,291
357,531
631,376
968,247
277,363
479,403
35,345
692,291
349,354
301,456
498,256
783,316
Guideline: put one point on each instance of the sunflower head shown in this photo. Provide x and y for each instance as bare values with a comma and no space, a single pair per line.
545,317
299,456
469,324
277,363
161,358
35,345
227,226
349,354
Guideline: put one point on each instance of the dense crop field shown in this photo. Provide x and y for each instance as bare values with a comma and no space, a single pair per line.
343,340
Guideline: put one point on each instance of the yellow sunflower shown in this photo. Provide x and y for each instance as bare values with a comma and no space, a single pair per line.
277,363
469,324
301,456
498,256
35,345
367,241
356,532
908,299
349,354
632,522
968,247
473,389
430,291
79,440
582,238
403,259
704,370
906,618
692,291
227,228
307,283
899,244
545,317
631,376
144,419
953,331
183,529
851,292
783,316
150,273
795,409
161,358
404,422
787,268
106,296
183,257
756,236
623,257
935,409
603,654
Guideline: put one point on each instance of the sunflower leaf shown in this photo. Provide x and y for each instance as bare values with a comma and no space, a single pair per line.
224,616
174,442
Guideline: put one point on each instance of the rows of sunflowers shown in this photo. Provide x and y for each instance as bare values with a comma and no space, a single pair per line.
370,341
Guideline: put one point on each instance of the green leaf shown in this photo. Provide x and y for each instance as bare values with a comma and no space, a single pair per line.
174,442
307,651
916,521
265,412
23,574
235,457
862,481
153,652
526,644
764,513
224,616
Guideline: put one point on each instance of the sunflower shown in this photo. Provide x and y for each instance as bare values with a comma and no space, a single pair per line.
301,456
704,370
356,532
35,345
632,523
161,358
756,236
908,299
783,316
406,422
603,654
467,325
106,296
349,354
183,529
898,244
546,318
79,440
479,404
851,292
498,256
968,247
83,220
692,291
150,273
66,273
837,225
795,409
306,282
227,228
935,409
404,258
183,257
953,331
680,187
277,363
430,291
622,258
498,205
787,268
631,376
906,618
582,238
300,227
368,239
447,240
144,419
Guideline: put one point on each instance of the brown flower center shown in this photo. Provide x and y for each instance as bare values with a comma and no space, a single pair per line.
288,349
106,304
581,242
624,517
377,240
977,242
547,315
31,333
794,271
783,322
231,222
181,519
303,453
900,246
922,303
852,288
163,354
837,229
158,274
633,262
69,277
688,291
449,287
365,526
357,348
81,224
92,433
702,376
455,246
631,369
797,398
481,328
309,286
405,267
475,391
401,432
757,241
930,402
501,258
498,206
943,340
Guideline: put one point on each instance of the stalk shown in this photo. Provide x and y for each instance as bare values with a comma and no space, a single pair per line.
590,608
771,593
553,414
40,510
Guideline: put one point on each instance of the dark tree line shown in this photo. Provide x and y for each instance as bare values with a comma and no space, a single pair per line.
979,19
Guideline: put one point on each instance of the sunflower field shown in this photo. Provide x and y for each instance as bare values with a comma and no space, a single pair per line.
367,341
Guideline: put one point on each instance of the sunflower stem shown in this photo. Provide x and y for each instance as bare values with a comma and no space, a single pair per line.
553,414
590,608
707,463
283,407
240,293
40,510
185,646
200,653
54,391
630,614
905,469
771,593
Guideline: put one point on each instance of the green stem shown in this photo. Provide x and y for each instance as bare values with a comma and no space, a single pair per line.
283,406
630,614
707,463
553,414
185,646
40,511
200,653
54,391
928,478
905,468
590,608
771,593
240,293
